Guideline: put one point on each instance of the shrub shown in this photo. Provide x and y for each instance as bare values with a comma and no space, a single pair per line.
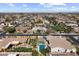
10,29
35,53
22,49
77,50
45,51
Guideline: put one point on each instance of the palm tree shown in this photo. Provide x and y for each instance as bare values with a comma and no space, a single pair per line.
34,43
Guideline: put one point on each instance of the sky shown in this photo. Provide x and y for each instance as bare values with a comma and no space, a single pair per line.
39,7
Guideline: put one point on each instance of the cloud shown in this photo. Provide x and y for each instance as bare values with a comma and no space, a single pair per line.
47,5
51,4
24,5
10,4
27,8
73,8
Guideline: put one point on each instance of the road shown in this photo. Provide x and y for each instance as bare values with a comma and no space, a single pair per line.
52,34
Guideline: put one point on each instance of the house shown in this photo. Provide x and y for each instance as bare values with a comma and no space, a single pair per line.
60,45
34,29
6,42
22,29
71,23
76,29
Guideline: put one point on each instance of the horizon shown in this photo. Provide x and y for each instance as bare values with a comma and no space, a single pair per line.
39,7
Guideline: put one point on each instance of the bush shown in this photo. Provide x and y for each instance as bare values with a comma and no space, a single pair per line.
45,51
22,49
77,50
35,53
38,32
33,42
68,29
9,29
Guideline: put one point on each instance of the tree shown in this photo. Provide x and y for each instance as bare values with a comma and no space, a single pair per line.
9,29
54,22
8,19
35,53
45,51
68,29
77,50
25,30
38,32
33,42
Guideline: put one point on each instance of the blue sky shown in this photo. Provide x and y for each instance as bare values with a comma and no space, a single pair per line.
39,7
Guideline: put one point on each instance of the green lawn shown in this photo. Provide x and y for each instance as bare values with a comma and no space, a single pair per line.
61,28
58,27
21,49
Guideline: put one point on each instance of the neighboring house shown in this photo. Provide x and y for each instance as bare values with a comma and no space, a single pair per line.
76,29
22,29
39,28
6,42
71,23
60,45
1,26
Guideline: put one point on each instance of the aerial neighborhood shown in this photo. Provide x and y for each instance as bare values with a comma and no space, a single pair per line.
39,23
39,34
